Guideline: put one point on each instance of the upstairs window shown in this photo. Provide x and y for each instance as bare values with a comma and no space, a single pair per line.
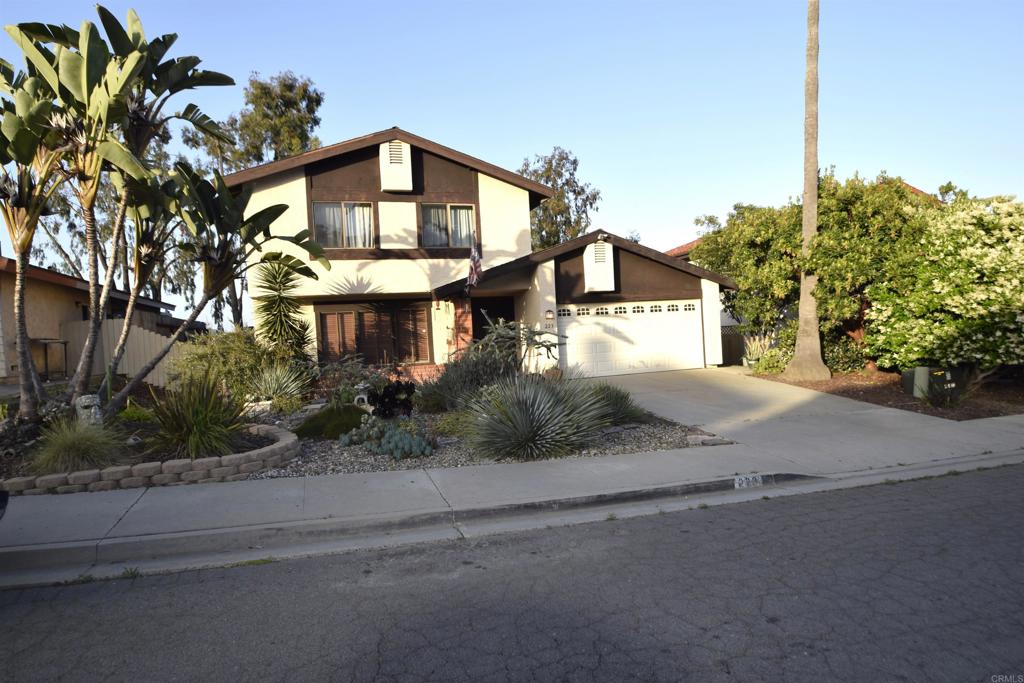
343,225
448,225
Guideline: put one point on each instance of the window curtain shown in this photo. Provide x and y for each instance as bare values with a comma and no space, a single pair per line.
359,226
435,225
327,224
463,234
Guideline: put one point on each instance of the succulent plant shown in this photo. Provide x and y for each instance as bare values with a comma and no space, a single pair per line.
403,438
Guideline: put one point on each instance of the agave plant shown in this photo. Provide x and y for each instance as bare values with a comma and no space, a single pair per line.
532,416
620,408
280,381
197,419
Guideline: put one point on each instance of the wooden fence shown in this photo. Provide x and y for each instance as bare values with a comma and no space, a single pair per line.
142,346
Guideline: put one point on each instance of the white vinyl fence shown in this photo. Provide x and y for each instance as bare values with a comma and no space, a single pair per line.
142,346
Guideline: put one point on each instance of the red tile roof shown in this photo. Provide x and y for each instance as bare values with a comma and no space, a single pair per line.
683,249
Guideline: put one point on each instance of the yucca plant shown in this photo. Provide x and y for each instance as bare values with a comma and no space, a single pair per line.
69,444
280,381
277,310
619,406
197,419
531,416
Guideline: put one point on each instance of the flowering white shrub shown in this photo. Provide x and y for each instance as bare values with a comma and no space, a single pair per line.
962,300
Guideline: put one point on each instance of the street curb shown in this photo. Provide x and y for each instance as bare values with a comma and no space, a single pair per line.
21,561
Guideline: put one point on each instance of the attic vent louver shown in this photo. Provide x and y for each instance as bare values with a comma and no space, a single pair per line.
599,266
395,166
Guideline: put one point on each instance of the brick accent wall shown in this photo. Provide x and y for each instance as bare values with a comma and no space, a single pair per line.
462,334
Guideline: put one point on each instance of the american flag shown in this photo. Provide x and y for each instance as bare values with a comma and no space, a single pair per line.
475,269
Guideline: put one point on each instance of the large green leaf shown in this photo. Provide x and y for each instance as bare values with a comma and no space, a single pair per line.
116,34
203,123
95,55
289,262
118,155
138,35
72,69
51,33
36,55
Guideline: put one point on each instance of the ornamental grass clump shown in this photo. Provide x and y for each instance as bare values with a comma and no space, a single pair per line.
68,444
282,384
619,406
197,419
529,417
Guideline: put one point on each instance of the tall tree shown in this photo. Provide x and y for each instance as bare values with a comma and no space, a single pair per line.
566,215
807,363
279,119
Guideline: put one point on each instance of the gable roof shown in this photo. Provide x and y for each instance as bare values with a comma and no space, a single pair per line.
457,286
537,191
8,265
683,250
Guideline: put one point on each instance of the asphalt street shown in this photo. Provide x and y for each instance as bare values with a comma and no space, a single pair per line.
919,581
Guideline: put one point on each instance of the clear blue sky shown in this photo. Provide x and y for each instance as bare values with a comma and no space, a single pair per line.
675,109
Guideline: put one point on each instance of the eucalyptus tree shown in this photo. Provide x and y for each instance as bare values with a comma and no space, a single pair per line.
30,156
807,363
224,243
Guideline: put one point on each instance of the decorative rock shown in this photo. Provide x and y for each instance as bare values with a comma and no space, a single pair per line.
147,469
19,484
133,441
164,479
103,486
221,472
134,482
195,475
51,481
87,409
176,466
34,492
72,488
236,477
250,467
206,463
211,480
116,473
84,477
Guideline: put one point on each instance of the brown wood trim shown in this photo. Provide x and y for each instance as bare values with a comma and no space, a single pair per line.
333,254
274,167
476,204
609,298
309,208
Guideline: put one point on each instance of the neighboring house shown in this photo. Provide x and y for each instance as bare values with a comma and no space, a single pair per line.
399,216
56,306
683,250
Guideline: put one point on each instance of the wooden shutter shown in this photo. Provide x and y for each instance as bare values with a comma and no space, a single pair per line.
376,341
413,337
337,335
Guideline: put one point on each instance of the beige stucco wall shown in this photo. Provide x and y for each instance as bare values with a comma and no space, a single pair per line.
531,308
46,306
397,225
504,221
711,309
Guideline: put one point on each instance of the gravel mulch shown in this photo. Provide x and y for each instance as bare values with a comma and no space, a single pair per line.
329,457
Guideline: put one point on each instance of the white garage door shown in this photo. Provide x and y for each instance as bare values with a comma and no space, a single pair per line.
623,338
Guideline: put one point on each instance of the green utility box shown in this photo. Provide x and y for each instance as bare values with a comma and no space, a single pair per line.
939,385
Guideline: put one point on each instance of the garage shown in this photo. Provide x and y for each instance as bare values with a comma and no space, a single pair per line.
627,337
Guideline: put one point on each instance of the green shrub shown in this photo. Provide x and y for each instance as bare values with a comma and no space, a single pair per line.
476,368
619,406
455,423
286,405
133,412
402,438
773,361
429,399
68,444
280,381
234,359
844,354
278,311
331,422
531,416
197,419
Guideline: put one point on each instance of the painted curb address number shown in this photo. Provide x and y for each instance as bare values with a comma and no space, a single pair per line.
748,481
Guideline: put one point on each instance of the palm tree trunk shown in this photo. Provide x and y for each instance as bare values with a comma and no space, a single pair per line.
97,299
119,399
807,364
29,401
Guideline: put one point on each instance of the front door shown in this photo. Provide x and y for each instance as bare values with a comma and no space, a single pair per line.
496,308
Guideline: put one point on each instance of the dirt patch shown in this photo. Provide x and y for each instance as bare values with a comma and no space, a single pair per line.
1000,396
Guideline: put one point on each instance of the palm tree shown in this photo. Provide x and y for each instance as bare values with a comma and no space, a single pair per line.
807,364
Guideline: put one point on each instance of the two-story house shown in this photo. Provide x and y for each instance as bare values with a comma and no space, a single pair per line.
398,216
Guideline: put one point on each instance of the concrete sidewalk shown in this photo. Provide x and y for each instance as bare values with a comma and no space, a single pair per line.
781,429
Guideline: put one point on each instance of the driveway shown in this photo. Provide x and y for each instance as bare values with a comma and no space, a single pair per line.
812,430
